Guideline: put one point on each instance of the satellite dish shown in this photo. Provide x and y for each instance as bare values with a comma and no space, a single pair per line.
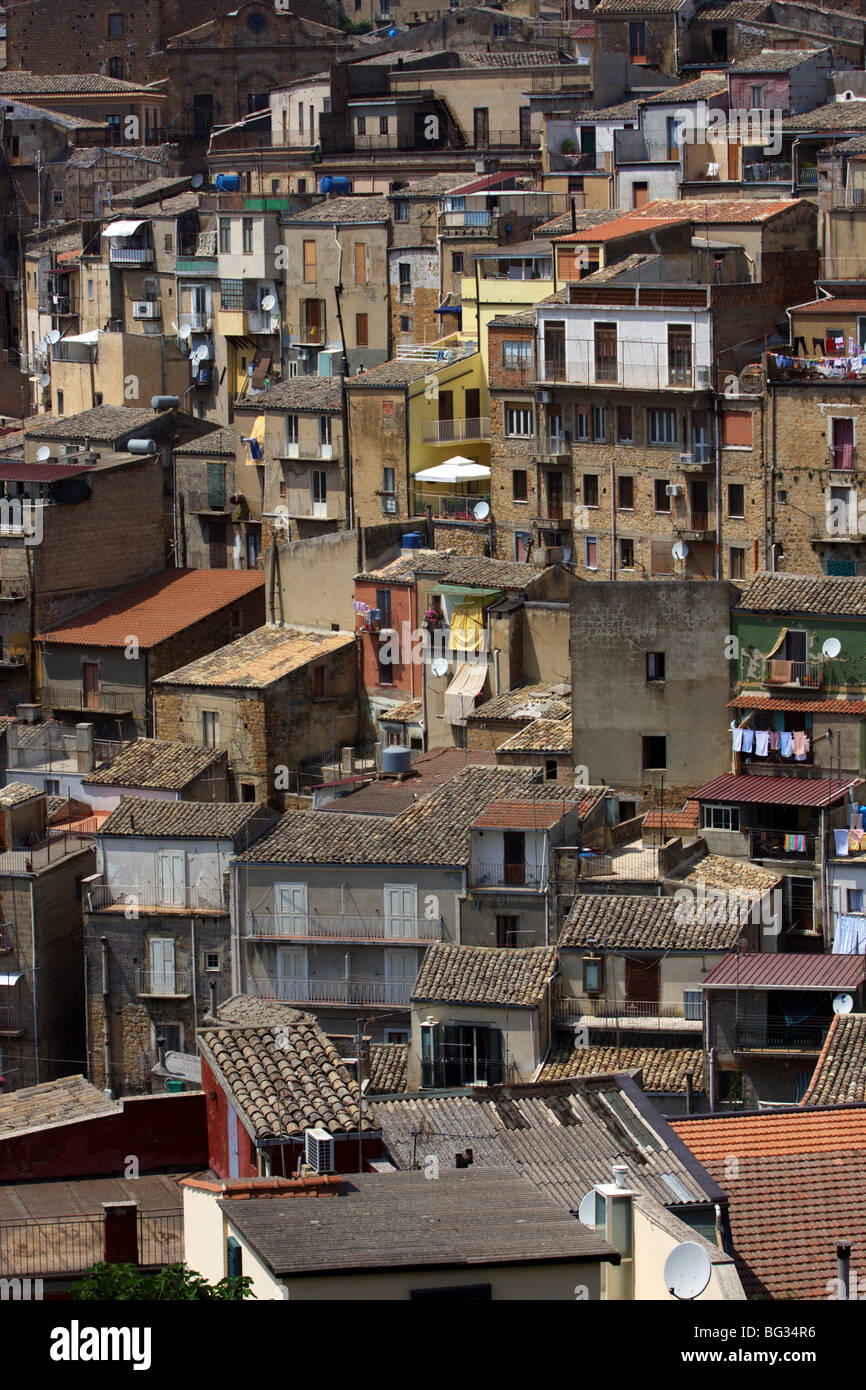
43,453
586,1210
53,336
269,302
832,647
687,1270
184,332
481,511
843,1004
679,550
196,181
439,667
45,379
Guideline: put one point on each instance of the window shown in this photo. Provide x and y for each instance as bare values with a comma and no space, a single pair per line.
361,330
737,562
275,185
318,682
232,294
225,236
720,817
637,41
626,555
404,271
655,666
591,552
115,26
168,242
97,398
115,67
518,421
662,426
599,424
383,125
736,429
90,290
736,500
662,501
679,355
361,125
855,895
550,769
457,262
625,494
210,728
507,933
581,424
401,211
113,123
247,231
387,480
639,193
655,751
593,974
211,960
756,94
59,402
302,185
309,261
516,355
291,429
590,489
406,323
359,255
301,119
325,429
605,352
396,1035
519,485
52,786
624,424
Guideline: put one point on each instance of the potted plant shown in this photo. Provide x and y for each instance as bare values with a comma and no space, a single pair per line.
432,619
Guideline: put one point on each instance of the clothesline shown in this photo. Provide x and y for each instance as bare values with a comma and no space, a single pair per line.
853,363
762,742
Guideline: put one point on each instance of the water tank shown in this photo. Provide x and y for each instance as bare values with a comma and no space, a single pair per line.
412,540
227,183
141,446
334,183
396,759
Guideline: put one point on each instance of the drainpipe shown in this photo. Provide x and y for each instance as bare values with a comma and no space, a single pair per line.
612,519
718,453
193,969
237,987
33,973
106,1029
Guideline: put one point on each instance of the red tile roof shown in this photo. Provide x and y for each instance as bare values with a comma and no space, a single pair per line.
774,970
797,1186
624,226
820,308
523,815
156,608
799,706
781,791
686,819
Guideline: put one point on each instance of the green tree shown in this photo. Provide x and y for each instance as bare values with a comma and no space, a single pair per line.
120,1283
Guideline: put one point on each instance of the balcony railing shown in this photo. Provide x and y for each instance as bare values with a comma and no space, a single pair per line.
35,857
492,875
636,365
843,267
842,457
301,927
300,504
807,176
450,1073
58,696
72,1244
10,1019
446,506
646,1012
146,897
779,671
782,844
198,322
191,264
470,219
455,431
167,984
386,993
130,255
780,1037
772,171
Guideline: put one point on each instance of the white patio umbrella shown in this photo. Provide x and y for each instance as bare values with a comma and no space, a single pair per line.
454,470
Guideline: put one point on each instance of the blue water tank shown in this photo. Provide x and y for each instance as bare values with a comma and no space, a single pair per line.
396,759
227,183
412,540
334,183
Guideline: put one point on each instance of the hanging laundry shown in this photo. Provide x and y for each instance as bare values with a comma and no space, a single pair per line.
841,839
359,606
737,737
786,744
800,745
797,843
748,740
762,743
775,739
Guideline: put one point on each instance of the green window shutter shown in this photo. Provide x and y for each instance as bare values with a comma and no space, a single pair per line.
216,484
234,1259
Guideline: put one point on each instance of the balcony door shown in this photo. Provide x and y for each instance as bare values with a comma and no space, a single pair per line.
292,972
514,854
90,681
401,909
162,971
319,492
641,986
292,908
401,972
171,877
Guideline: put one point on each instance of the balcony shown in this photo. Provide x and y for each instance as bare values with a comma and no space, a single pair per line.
772,171
445,506
780,1037
59,305
130,255
453,1073
634,1015
196,322
162,984
69,697
455,431
31,859
807,176
301,506
201,267
635,366
298,927
499,875
479,223
804,674
146,898
782,845
365,993
699,525
843,267
10,1020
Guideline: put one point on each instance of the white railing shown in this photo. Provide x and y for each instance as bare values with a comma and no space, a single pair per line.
351,991
640,366
198,322
165,983
131,255
307,927
455,431
500,875
144,897
39,856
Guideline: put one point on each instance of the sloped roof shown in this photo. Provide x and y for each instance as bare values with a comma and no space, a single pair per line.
804,593
541,736
839,1077
775,970
632,921
663,1068
548,700
388,1064
485,975
52,1103
145,816
775,59
353,208
780,791
296,393
222,441
259,659
156,764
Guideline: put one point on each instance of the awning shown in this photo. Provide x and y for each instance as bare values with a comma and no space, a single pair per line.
91,337
261,367
10,979
124,228
462,692
453,470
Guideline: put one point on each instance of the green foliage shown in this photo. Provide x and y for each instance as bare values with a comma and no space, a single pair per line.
348,26
121,1283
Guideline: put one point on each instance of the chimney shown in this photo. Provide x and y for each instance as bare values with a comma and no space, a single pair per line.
843,1269
620,1173
85,758
690,1093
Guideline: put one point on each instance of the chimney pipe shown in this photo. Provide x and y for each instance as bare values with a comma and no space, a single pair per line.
620,1172
573,216
690,1093
843,1269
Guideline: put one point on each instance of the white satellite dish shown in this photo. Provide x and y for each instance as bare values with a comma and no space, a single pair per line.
843,1004
832,647
43,453
679,550
53,336
439,667
45,379
481,511
269,302
196,181
687,1270
586,1210
184,332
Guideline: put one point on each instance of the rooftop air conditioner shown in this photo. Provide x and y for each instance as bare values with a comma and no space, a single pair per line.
686,459
319,1150
673,490
146,309
543,397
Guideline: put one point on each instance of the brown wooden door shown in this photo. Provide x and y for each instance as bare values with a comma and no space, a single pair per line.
515,856
473,403
90,681
554,496
641,986
217,545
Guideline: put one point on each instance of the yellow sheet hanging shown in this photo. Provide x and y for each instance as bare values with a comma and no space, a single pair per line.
467,626
782,635
258,434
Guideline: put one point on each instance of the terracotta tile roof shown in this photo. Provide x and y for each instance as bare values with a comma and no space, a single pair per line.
156,608
284,1078
798,1187
686,819
717,871
246,1010
632,921
584,219
485,975
663,1068
14,793
319,837
259,659
53,1103
802,970
388,796
147,817
779,791
524,815
833,115
517,58
638,6
775,60
839,1077
405,567
361,208
826,308
388,1063
697,90
223,442
402,371
803,593
409,713
632,225
801,706
300,394
547,700
106,423
541,736
724,210
476,571
21,83
155,763
737,9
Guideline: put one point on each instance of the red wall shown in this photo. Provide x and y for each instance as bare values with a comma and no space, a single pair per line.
160,1131
402,611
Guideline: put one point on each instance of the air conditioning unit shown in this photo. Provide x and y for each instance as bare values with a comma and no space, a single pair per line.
542,397
293,451
673,490
702,375
541,555
319,1150
686,459
146,309
858,196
